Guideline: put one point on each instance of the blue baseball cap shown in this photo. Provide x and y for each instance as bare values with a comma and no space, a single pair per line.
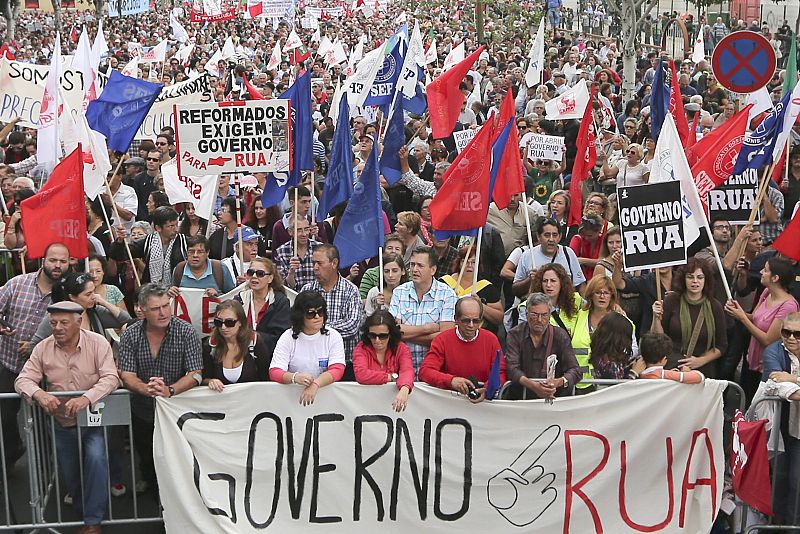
248,234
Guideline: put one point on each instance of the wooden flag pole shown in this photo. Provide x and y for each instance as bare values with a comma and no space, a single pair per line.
239,223
477,261
119,219
658,285
762,190
464,265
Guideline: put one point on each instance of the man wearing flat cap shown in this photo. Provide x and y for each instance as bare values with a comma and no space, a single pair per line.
73,359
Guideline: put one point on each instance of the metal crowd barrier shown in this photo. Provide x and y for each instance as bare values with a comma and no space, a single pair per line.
45,491
772,445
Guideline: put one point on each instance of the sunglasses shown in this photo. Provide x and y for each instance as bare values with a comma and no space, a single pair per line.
785,332
374,335
314,312
153,159
161,144
230,323
259,273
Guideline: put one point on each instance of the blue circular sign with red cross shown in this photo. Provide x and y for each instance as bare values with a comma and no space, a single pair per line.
743,62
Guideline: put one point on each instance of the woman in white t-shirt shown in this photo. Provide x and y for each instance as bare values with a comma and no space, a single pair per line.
309,354
630,170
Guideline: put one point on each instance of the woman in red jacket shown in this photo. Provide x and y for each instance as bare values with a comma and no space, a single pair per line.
381,358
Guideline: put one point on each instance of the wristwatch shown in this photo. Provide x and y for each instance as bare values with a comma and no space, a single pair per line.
566,382
171,391
395,376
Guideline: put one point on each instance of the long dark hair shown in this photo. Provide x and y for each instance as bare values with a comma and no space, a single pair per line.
612,339
304,301
72,284
378,318
243,338
186,224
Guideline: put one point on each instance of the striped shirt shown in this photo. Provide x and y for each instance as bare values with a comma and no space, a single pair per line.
437,306
24,307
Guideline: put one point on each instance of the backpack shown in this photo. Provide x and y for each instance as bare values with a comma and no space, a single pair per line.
216,271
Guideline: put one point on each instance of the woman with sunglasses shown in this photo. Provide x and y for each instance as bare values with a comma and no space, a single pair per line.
382,358
233,353
627,171
543,177
264,301
764,324
309,354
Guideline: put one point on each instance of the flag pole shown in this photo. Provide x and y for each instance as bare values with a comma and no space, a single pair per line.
477,261
658,285
464,265
3,200
389,114
380,270
22,261
116,214
527,220
294,217
239,222
766,176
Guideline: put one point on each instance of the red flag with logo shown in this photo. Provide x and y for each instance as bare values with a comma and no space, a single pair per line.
57,213
462,202
750,463
585,159
676,107
5,51
444,97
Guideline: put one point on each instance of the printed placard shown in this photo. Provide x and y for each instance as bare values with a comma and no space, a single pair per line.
463,138
734,199
545,147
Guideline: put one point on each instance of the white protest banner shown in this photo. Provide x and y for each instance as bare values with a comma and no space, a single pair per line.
651,220
309,23
324,12
123,8
215,138
545,147
161,114
275,8
22,87
463,137
155,54
734,199
201,191
644,456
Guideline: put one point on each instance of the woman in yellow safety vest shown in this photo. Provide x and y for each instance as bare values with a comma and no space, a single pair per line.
461,283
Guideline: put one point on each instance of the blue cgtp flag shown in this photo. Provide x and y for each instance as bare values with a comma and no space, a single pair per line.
419,104
385,82
360,233
659,101
299,94
339,181
393,141
493,385
757,148
121,109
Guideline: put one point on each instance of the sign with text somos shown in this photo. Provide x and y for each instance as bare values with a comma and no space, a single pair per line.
220,137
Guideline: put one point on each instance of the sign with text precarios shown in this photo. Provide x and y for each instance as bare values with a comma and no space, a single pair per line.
645,456
220,137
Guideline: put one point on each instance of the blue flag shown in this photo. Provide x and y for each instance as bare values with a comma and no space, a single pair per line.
121,109
360,233
418,104
277,183
385,83
393,141
757,148
659,101
493,385
339,181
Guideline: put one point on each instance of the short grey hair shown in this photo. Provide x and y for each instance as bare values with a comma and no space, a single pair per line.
144,226
149,291
442,166
539,298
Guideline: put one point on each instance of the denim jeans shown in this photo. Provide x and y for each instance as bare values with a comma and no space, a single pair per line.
91,502
787,482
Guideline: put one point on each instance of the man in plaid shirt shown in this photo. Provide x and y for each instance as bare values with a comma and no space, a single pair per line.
23,304
297,268
341,296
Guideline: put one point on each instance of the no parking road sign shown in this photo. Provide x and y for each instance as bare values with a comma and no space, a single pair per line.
743,62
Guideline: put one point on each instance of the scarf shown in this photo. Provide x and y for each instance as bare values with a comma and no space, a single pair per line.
159,259
687,326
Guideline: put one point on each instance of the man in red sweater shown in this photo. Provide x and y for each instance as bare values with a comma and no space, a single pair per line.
464,353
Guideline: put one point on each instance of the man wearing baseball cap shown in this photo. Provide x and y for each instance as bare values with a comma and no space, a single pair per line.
249,244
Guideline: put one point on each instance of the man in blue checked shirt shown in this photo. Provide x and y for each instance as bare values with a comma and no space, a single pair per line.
423,307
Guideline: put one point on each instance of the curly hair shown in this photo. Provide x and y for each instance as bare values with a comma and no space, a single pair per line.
304,301
566,299
612,339
679,280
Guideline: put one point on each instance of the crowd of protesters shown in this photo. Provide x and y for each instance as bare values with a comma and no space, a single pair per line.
307,321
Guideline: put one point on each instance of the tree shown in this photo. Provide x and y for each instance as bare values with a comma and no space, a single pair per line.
631,14
10,10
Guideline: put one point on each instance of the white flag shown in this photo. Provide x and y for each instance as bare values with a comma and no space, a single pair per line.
761,103
360,83
699,53
358,53
228,50
96,165
293,41
536,55
201,191
401,18
48,145
333,111
213,64
431,54
156,54
455,57
178,31
789,119
316,37
99,46
670,164
336,54
325,44
415,58
132,68
570,105
275,57
82,62
185,53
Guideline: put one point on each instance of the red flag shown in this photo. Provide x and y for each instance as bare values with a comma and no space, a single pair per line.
788,241
715,154
676,107
510,176
444,97
255,9
693,130
508,112
5,51
73,35
750,463
462,203
57,213
299,54
252,91
585,159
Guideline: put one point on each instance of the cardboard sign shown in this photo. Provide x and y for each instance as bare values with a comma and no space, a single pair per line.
253,459
734,199
215,138
463,137
651,220
545,147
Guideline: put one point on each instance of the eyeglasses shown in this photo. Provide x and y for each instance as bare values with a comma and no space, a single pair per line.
785,332
161,144
314,312
258,273
722,227
594,203
153,159
540,316
374,335
470,321
603,293
230,323
631,152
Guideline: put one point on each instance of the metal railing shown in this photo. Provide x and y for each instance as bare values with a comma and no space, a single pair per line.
46,507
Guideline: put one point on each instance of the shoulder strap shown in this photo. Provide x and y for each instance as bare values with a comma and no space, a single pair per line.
178,273
216,270
698,325
549,348
557,317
